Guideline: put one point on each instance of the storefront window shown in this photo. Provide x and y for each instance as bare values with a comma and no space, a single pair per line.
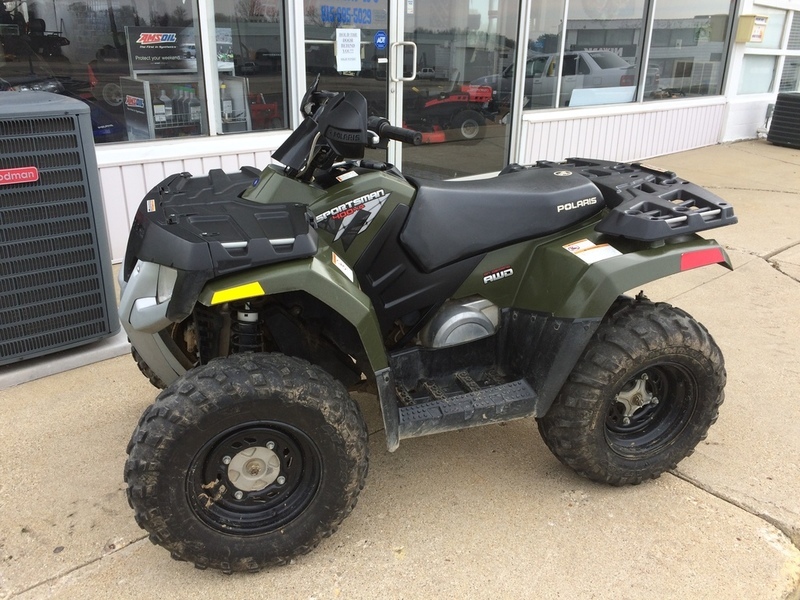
136,64
251,65
545,43
603,47
757,74
790,79
688,48
602,51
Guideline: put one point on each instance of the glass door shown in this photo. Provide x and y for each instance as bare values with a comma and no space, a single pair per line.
460,49
434,66
347,44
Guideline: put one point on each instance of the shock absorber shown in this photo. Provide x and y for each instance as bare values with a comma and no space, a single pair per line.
245,332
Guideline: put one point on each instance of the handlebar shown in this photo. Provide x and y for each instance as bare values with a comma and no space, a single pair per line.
384,129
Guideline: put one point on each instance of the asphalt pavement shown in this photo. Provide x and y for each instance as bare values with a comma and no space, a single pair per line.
482,513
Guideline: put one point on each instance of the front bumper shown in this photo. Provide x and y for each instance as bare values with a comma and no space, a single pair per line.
145,320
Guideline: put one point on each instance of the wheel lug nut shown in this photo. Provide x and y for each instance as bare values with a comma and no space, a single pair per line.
239,495
626,421
270,445
654,400
226,460
280,480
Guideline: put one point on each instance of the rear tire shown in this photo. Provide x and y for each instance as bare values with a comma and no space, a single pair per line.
247,462
642,396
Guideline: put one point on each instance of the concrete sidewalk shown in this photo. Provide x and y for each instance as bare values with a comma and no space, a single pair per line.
483,513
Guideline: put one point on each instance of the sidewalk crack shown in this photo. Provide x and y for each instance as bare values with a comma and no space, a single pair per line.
76,568
792,533
769,255
778,268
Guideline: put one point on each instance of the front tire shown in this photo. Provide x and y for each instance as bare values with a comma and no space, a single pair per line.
642,396
247,462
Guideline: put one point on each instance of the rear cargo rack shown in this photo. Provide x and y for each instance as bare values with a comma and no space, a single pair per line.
648,203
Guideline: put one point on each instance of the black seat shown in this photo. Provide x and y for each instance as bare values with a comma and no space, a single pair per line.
453,220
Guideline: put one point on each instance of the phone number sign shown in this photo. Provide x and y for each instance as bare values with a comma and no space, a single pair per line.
356,13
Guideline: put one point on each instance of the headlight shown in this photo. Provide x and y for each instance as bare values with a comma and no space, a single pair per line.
48,85
166,283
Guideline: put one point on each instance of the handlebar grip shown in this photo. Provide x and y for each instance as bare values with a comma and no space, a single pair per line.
382,127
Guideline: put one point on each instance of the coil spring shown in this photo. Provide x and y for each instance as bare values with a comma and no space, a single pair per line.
245,332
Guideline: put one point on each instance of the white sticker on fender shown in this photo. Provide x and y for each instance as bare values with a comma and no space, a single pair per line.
590,253
342,266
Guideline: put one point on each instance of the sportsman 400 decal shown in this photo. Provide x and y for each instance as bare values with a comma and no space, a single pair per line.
353,217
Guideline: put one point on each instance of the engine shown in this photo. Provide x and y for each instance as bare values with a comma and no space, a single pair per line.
460,321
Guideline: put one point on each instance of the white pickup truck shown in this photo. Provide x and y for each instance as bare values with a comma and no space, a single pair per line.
581,72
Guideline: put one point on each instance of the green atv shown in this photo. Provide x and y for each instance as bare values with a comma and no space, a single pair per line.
258,299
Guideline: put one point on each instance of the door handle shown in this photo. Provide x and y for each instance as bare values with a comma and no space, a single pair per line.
397,76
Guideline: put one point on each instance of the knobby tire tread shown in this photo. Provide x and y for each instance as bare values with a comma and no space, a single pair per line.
205,390
630,333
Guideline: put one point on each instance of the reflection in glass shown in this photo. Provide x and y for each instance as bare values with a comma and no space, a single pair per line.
366,69
462,116
251,65
81,50
602,54
688,48
603,47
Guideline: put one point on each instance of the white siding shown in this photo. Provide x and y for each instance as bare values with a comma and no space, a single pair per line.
623,133
124,186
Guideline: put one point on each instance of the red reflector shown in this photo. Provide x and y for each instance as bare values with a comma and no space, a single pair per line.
701,258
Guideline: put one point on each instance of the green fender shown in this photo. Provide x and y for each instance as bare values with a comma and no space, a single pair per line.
559,282
318,276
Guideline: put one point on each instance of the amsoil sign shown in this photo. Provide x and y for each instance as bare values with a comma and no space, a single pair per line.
21,175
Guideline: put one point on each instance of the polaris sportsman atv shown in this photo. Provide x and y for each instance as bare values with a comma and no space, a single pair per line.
258,299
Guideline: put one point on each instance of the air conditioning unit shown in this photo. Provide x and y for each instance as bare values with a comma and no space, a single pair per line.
784,130
56,284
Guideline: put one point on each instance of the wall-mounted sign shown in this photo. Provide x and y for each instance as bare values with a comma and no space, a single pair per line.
752,28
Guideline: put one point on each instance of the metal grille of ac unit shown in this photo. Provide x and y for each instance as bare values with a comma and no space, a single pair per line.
55,277
784,130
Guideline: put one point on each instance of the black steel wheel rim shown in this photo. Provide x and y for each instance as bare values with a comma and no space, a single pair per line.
218,503
655,426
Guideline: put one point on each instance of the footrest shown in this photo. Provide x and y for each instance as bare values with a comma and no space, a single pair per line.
489,405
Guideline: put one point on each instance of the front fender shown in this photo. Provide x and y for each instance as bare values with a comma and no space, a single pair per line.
560,282
318,276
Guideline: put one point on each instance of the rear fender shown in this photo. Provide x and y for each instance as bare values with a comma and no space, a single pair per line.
318,276
560,281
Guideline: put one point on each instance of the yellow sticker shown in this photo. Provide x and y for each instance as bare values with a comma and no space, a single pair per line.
240,292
